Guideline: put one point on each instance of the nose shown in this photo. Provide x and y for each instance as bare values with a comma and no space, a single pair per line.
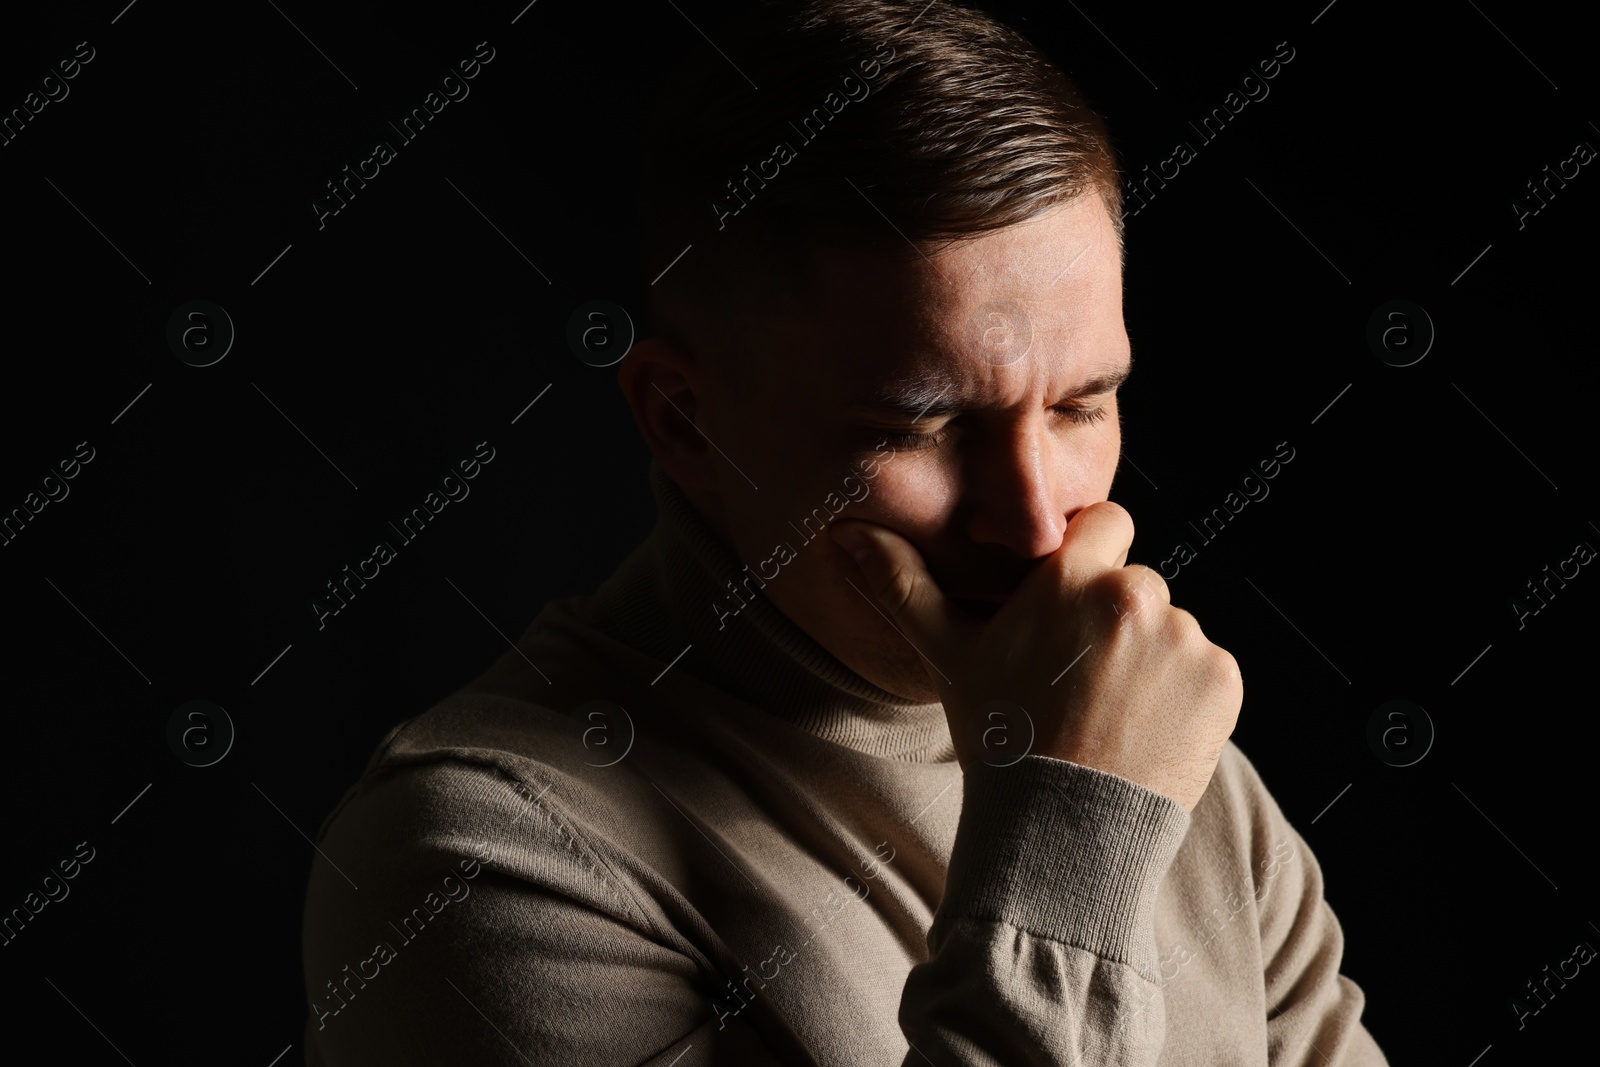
1017,493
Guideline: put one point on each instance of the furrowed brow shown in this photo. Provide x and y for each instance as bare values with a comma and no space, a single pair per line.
932,398
1108,382
921,398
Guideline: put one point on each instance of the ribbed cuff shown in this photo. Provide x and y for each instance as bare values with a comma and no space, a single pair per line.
1065,852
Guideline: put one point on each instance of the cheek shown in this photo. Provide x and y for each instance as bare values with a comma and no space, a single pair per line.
911,495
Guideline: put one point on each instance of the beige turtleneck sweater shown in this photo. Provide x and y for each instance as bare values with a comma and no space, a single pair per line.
640,838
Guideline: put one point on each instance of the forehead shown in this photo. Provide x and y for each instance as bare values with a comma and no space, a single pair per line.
1037,300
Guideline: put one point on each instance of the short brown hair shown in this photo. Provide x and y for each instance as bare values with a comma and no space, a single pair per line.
961,127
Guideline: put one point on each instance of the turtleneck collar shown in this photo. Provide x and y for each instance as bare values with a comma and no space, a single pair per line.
660,602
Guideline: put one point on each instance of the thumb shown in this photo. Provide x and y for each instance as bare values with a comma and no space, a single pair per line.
898,582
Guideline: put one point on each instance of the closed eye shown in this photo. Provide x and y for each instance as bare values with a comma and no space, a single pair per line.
916,442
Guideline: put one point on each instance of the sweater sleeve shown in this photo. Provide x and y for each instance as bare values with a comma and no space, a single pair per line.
471,920
1044,940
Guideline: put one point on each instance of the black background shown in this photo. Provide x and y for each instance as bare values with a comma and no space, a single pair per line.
384,346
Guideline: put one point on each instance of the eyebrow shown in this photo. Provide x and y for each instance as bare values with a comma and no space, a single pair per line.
930,396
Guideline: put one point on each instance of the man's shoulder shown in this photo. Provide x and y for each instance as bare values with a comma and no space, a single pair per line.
463,736
479,750
476,726
487,774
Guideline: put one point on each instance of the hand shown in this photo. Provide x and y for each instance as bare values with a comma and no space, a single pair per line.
1150,699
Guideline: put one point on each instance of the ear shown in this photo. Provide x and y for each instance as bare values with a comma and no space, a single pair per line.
658,379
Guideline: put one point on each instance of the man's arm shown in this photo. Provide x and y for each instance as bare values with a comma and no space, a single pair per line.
1044,942
1043,948
507,938
486,929
1144,699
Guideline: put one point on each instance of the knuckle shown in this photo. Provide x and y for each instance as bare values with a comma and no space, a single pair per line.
1123,599
1223,665
1121,591
1115,515
1185,629
1111,509
1149,581
1223,671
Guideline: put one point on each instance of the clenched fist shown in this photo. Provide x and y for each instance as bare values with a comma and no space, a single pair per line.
1147,697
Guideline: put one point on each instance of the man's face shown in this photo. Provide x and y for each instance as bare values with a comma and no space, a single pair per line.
1007,345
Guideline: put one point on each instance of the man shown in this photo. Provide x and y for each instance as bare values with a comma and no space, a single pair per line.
876,751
